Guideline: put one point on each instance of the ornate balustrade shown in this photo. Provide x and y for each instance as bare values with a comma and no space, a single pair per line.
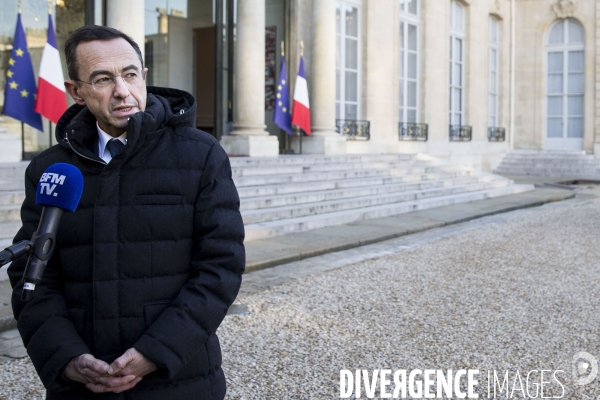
412,131
496,134
461,133
354,129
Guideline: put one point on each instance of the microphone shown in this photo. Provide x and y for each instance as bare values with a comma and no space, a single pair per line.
58,190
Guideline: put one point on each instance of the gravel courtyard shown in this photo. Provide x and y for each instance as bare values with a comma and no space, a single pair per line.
516,294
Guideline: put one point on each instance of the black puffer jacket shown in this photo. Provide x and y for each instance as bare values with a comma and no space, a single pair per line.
152,258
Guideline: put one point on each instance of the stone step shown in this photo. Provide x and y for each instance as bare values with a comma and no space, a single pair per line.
12,184
356,203
286,188
563,157
555,169
305,223
327,167
8,230
551,160
13,170
551,164
548,171
11,197
335,175
242,162
550,168
548,163
531,152
10,213
327,194
10,147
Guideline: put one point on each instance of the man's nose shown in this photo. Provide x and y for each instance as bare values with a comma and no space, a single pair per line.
121,88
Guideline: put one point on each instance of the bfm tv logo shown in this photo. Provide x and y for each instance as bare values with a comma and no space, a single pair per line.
585,368
54,181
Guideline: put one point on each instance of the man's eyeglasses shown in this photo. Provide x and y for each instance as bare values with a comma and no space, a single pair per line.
105,82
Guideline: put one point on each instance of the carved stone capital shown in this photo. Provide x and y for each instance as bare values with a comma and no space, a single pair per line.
564,8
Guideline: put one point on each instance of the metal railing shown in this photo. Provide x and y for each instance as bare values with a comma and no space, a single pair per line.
461,133
412,131
354,129
496,134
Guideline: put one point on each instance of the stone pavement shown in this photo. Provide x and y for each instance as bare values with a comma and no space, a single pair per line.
270,252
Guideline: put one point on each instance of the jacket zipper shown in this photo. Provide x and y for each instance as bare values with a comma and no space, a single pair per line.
78,153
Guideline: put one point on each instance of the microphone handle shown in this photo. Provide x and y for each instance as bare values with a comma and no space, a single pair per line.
15,251
44,241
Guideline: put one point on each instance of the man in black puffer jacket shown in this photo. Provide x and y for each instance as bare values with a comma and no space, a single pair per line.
147,266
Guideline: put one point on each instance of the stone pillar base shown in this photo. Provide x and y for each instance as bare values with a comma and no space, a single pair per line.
597,151
333,144
253,146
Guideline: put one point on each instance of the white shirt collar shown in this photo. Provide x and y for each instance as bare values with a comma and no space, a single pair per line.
103,138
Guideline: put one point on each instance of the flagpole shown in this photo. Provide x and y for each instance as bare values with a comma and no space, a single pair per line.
50,133
281,130
49,121
301,55
22,140
287,141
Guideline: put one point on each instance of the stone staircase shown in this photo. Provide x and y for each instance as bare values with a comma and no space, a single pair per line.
565,164
299,193
12,194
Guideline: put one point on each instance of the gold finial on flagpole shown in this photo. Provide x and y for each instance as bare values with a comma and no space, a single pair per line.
302,48
282,49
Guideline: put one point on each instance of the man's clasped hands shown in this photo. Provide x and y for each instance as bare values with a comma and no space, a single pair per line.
98,376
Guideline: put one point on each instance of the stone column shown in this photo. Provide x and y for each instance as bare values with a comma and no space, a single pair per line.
324,139
128,17
597,91
249,137
435,74
381,31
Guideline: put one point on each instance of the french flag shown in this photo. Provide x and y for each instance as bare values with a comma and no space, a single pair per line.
301,110
51,98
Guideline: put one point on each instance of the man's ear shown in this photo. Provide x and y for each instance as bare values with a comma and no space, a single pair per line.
73,89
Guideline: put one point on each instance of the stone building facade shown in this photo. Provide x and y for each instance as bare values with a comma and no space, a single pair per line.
463,80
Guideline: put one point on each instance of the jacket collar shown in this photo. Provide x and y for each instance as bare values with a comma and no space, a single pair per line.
76,129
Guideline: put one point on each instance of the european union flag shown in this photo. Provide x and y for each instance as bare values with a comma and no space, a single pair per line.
282,116
20,91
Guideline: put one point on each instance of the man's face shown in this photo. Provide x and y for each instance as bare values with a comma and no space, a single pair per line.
114,104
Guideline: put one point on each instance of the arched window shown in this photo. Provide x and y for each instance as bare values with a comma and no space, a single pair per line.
565,85
409,60
457,62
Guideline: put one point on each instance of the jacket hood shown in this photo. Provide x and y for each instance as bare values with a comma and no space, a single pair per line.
164,107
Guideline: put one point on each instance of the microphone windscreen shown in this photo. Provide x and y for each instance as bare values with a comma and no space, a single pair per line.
60,186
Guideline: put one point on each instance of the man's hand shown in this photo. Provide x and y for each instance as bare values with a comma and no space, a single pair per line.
90,371
124,373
